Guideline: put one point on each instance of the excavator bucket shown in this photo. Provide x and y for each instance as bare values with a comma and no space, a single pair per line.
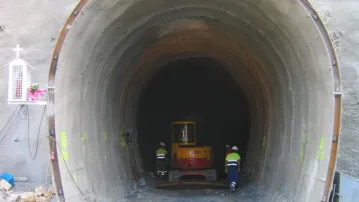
191,185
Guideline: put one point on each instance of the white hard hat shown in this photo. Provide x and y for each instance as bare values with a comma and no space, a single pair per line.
235,148
162,144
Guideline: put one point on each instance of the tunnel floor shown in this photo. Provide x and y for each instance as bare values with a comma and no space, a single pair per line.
196,89
246,192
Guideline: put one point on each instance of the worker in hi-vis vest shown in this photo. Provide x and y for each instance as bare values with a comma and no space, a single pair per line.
232,167
161,159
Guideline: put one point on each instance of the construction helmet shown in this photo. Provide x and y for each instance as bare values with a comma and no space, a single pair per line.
235,148
162,144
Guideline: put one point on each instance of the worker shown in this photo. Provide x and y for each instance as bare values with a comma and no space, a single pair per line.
184,135
232,167
161,159
228,150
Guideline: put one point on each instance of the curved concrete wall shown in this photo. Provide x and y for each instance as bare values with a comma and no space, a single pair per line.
273,49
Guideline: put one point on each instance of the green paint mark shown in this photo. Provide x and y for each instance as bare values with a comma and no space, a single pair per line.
105,136
83,136
321,145
65,155
301,156
305,138
63,140
123,142
264,142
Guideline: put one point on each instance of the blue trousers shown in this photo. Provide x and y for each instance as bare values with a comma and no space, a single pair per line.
233,175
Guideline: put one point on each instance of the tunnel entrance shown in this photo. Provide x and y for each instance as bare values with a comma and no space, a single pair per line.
196,89
125,66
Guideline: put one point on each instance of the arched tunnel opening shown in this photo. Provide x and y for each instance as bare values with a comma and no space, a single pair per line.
197,89
258,74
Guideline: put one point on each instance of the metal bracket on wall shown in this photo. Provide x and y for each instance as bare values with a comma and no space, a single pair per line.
337,93
335,139
51,87
127,136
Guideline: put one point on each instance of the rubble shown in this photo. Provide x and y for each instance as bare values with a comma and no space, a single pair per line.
3,196
151,174
4,185
41,191
28,197
40,194
13,198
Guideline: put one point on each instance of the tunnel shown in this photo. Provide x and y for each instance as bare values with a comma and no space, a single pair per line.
196,89
261,75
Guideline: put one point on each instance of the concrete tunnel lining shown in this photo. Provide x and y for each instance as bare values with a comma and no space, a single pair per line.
114,47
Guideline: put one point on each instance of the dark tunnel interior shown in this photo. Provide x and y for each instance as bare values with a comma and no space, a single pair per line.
198,89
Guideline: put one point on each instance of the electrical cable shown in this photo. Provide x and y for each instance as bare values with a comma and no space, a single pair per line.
38,132
27,115
7,123
22,107
9,128
47,171
68,170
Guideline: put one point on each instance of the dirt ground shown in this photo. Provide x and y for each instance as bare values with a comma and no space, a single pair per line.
246,191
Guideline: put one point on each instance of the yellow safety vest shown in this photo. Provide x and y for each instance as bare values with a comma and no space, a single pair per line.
232,159
161,153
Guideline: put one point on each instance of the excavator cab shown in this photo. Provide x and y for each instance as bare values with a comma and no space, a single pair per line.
188,158
183,133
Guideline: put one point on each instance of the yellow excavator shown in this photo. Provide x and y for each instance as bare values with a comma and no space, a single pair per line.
187,158
189,161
